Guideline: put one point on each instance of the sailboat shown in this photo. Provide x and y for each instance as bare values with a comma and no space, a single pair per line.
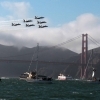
94,79
27,74
35,78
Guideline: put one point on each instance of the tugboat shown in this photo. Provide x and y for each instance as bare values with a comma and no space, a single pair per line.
61,77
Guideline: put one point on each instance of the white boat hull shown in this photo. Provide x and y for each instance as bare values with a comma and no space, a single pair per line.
61,79
22,78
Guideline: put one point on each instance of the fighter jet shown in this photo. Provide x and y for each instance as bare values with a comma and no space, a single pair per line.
13,24
39,22
40,26
38,17
27,20
28,25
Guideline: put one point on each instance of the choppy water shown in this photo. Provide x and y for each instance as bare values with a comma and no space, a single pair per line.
15,89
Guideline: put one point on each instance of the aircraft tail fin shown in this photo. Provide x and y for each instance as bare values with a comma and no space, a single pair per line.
35,16
37,22
26,25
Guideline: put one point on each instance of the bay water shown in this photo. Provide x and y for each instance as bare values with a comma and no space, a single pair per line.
15,89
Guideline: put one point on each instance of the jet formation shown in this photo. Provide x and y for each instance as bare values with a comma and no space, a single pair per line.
29,25
41,22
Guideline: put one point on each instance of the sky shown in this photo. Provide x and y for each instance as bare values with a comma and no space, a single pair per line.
66,19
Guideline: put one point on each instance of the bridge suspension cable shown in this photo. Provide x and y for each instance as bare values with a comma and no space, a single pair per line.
94,41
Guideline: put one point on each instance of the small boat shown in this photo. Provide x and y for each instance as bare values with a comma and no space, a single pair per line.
4,78
94,79
61,77
38,78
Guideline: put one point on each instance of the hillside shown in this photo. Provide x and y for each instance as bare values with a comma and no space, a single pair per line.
48,54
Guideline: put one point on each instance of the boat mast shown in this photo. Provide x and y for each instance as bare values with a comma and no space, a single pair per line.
37,59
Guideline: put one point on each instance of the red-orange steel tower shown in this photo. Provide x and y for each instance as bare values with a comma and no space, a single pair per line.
84,55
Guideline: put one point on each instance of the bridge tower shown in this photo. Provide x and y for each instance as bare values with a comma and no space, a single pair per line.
84,55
